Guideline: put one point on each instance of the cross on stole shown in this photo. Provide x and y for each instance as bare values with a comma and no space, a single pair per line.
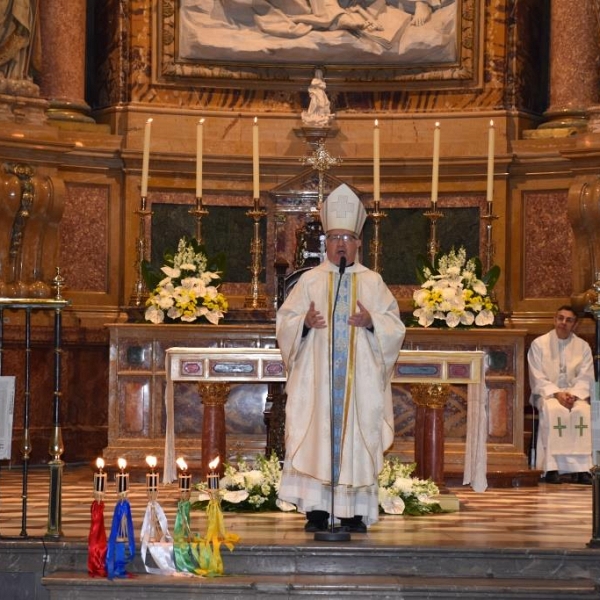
581,426
560,427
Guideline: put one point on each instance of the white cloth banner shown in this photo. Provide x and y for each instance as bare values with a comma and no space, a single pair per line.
7,403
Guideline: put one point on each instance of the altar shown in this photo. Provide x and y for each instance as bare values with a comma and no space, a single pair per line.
222,366
138,382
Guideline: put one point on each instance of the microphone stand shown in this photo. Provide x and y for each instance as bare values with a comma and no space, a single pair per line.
332,535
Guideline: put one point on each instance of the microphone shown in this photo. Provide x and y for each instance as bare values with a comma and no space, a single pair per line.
342,268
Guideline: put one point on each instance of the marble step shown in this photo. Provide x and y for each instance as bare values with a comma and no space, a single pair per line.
78,586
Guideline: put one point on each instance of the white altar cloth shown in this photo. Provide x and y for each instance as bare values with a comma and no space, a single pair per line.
261,365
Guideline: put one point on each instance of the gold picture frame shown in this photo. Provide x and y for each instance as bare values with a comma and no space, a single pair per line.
241,67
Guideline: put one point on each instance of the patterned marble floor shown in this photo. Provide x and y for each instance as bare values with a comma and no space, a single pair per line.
527,517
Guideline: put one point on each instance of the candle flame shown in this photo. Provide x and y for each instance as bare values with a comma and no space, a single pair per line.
149,120
213,464
122,463
376,122
181,464
100,463
437,123
151,461
255,120
491,122
201,121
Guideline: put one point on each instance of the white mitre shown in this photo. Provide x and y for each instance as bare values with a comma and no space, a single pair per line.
343,210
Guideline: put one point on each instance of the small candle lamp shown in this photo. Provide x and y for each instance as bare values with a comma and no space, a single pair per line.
185,479
213,477
152,477
99,480
122,478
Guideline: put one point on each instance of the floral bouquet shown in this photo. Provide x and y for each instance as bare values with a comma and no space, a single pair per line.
401,494
249,488
454,292
186,288
253,488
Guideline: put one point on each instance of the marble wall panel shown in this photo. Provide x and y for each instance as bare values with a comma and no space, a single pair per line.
548,249
84,237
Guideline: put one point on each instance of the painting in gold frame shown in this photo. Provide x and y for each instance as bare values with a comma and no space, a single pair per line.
255,44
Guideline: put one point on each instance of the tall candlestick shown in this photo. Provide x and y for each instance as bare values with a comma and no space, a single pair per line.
436,163
146,157
490,165
255,171
376,161
100,477
122,477
199,158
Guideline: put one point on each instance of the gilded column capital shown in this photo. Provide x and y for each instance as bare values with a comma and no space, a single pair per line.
214,394
430,395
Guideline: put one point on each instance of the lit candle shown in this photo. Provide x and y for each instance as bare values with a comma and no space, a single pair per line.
100,477
122,477
490,165
152,477
376,161
185,479
146,157
255,173
213,478
436,163
199,151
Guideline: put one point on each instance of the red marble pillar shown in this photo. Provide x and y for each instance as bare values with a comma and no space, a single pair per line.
574,54
62,81
430,400
214,396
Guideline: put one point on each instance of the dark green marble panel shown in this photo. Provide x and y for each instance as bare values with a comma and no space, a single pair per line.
404,234
225,229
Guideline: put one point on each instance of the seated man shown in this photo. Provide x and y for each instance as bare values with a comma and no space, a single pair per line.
561,374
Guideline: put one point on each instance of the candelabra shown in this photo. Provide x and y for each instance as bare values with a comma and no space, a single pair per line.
433,245
198,212
375,246
489,219
255,299
140,293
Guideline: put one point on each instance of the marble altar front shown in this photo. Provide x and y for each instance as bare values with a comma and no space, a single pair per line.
137,414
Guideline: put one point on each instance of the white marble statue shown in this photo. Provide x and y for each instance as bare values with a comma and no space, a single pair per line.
318,113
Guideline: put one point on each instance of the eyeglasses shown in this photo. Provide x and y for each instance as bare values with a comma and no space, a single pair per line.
343,237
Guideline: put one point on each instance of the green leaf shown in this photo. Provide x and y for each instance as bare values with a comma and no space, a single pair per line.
491,277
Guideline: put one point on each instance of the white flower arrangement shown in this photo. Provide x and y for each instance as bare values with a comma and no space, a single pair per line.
454,293
189,291
249,487
255,487
401,494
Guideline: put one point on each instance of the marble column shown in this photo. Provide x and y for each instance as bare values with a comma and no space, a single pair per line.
574,54
62,81
430,400
214,396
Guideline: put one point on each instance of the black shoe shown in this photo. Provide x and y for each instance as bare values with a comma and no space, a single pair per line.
314,526
316,520
552,477
584,478
354,525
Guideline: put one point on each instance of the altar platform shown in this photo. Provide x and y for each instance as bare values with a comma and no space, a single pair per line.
520,542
